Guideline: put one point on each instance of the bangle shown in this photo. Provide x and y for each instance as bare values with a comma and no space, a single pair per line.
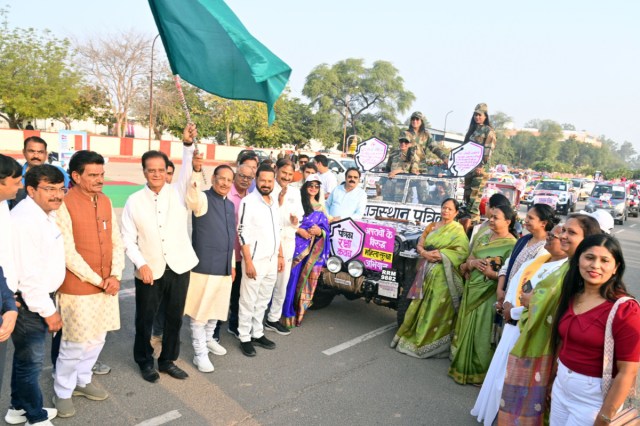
281,256
605,418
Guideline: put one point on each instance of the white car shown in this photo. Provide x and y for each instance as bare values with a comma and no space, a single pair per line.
339,166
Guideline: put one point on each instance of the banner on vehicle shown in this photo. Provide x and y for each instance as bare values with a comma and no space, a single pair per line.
372,244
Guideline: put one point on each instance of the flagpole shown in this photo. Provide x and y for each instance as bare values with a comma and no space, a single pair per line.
183,101
185,108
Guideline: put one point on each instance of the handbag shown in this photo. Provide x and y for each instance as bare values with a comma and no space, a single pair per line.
628,416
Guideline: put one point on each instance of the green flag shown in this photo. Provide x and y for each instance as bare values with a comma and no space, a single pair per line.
208,46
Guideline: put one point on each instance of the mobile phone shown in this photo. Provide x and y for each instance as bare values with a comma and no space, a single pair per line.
527,287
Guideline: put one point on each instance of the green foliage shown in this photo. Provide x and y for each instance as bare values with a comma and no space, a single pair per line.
349,90
37,78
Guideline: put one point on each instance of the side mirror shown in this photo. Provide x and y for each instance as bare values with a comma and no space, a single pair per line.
335,170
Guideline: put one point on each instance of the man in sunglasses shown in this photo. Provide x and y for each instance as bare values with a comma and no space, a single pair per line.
348,200
402,159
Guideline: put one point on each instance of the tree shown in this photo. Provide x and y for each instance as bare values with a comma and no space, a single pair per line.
90,102
349,89
36,76
117,64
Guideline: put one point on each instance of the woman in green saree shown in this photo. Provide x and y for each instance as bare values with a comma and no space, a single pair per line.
428,323
530,364
472,348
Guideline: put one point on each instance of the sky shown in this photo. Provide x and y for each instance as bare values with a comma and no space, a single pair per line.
570,61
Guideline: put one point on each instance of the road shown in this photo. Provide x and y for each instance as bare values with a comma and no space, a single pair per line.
335,369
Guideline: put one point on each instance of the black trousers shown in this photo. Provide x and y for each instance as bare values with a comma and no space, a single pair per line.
172,288
234,304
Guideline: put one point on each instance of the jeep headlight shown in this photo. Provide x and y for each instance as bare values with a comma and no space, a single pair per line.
334,264
562,198
619,207
355,268
590,208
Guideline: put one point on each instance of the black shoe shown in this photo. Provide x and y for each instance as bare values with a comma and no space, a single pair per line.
234,332
263,342
247,348
175,372
149,374
277,327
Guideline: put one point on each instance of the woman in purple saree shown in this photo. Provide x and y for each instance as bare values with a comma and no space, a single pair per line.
311,253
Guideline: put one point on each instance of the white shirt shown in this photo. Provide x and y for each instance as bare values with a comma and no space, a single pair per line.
154,226
291,205
6,247
259,226
329,181
38,250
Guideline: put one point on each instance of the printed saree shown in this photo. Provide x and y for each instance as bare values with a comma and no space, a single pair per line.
471,348
428,323
308,259
531,359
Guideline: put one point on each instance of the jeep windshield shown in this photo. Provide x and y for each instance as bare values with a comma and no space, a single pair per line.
600,190
551,186
410,189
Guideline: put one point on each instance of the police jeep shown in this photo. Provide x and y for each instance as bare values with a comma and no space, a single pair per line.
375,258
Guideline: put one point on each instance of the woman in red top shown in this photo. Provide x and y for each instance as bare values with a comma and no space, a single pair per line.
589,290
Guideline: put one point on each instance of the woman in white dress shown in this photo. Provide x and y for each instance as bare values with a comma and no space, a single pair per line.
517,297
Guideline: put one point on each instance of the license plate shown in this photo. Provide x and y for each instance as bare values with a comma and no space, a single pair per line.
388,289
548,200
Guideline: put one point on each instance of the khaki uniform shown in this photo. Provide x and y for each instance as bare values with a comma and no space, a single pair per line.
475,181
407,162
425,148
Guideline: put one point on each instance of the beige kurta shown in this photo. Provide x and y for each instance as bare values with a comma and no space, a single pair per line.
208,297
88,316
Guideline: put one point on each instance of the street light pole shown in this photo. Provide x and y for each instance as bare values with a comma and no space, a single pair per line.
153,44
444,131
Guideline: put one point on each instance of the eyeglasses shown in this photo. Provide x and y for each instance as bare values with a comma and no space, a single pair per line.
550,237
415,119
404,142
314,185
353,177
244,177
52,190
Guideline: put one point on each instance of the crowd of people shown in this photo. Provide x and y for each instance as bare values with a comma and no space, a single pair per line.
522,317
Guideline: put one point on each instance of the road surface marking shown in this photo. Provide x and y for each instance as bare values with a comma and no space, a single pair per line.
370,335
633,226
127,292
160,420
617,232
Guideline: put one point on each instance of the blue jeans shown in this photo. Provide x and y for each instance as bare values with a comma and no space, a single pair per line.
28,340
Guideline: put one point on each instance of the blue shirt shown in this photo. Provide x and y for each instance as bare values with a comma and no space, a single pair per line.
345,204
64,173
7,302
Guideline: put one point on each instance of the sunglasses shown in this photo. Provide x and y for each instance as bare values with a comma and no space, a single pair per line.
405,142
415,119
314,185
477,114
550,237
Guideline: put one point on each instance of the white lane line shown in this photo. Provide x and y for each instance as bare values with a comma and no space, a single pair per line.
160,420
633,225
617,232
127,292
370,335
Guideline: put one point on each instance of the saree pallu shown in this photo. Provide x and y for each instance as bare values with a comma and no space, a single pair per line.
428,322
524,396
471,348
308,259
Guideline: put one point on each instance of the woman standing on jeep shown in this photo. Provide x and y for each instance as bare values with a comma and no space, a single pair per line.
422,141
428,323
310,255
472,348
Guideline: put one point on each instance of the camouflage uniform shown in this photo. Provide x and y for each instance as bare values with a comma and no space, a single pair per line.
407,162
475,181
425,148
